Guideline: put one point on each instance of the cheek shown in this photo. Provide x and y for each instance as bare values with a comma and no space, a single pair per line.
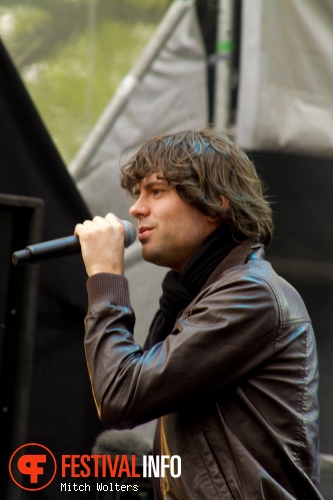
182,235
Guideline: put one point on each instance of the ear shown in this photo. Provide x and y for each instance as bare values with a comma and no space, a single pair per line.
225,204
224,201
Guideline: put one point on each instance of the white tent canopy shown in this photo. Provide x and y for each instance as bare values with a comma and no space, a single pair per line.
286,77
164,92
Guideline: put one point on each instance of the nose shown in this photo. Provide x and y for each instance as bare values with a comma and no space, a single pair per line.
139,208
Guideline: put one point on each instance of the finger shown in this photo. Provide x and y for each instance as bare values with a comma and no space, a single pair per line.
112,219
83,227
115,222
89,224
100,221
79,228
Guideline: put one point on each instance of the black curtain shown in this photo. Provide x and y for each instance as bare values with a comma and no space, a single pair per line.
62,413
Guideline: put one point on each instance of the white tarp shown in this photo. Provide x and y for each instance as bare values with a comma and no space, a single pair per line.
286,76
171,96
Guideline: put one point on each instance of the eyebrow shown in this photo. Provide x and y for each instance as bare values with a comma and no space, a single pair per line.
158,181
150,185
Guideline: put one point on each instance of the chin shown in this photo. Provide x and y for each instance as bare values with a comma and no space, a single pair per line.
155,258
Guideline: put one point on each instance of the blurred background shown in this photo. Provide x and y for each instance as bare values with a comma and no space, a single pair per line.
82,83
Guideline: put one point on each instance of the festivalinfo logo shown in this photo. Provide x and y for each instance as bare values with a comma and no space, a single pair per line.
33,467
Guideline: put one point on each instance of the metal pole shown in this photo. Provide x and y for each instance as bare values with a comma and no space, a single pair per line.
224,48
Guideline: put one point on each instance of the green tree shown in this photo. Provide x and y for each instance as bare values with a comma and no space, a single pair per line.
72,55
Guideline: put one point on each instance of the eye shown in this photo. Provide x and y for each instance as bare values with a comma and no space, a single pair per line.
157,191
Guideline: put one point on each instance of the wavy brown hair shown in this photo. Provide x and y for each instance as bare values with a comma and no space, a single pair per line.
204,166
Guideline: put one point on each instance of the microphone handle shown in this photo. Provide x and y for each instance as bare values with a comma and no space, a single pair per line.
52,248
63,246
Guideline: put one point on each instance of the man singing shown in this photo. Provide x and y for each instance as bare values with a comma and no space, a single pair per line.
229,367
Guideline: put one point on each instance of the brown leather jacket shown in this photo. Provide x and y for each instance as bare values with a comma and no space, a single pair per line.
234,385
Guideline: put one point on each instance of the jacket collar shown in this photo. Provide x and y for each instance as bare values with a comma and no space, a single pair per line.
236,257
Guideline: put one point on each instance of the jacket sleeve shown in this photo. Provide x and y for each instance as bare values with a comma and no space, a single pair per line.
225,333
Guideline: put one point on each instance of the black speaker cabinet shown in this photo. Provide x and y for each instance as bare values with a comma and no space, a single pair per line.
20,225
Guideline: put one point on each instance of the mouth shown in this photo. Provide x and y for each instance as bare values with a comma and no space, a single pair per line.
144,232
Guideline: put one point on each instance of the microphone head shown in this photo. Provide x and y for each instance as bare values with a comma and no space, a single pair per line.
130,233
118,442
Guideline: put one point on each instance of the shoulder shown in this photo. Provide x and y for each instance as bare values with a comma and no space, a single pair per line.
258,278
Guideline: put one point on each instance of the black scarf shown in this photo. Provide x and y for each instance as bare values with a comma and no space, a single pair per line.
180,289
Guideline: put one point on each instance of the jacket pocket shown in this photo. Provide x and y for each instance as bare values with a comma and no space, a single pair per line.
216,475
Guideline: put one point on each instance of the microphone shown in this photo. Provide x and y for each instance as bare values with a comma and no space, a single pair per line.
118,442
130,446
63,246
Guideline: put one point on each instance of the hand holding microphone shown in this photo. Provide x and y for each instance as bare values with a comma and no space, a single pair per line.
71,244
102,244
